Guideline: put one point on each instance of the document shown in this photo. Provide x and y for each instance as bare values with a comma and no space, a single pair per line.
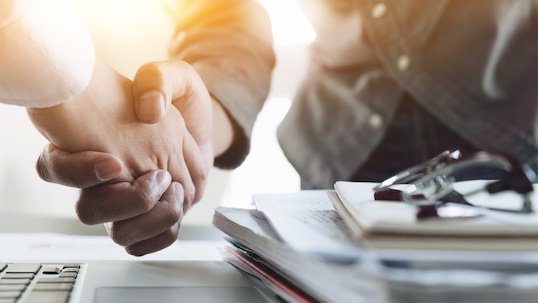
307,222
326,281
394,225
402,276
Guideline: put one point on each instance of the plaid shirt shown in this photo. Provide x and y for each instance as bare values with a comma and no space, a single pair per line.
471,64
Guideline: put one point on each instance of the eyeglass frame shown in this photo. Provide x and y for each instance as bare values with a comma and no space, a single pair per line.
518,178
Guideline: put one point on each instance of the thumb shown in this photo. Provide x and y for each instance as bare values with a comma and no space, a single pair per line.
157,85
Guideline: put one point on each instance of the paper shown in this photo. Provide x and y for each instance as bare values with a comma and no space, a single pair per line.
307,222
50,247
407,276
385,217
327,281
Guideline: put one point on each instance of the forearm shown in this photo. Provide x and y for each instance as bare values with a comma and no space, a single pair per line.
229,43
71,125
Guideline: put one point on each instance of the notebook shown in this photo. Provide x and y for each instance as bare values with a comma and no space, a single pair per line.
391,224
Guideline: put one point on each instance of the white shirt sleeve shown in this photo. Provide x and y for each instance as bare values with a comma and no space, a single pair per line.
46,53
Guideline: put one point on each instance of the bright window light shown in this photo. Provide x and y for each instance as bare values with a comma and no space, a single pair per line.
290,25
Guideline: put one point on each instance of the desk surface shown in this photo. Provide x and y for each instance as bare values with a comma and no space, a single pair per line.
200,273
50,246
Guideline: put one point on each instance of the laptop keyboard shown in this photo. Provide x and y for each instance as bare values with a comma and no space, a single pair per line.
37,282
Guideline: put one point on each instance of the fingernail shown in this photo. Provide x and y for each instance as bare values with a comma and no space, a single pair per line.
151,105
163,180
107,169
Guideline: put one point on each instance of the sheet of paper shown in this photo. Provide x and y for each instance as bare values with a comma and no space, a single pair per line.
307,221
50,246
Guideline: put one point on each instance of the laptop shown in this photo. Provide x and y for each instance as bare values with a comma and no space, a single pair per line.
125,281
191,272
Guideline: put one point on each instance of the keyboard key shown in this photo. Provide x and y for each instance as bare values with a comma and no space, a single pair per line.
71,266
56,280
68,275
23,268
48,297
14,281
18,276
9,294
53,286
51,270
15,287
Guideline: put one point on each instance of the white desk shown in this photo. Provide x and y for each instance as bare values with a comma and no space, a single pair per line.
194,263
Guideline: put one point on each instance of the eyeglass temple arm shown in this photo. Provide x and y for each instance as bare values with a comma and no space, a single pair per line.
519,185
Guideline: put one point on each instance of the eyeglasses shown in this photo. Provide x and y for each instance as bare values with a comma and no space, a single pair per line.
430,185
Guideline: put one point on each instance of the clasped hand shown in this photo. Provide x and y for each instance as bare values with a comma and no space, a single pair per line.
140,177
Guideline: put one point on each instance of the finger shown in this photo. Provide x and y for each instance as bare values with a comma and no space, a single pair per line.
197,167
82,170
151,90
121,201
184,178
166,213
192,99
158,84
157,243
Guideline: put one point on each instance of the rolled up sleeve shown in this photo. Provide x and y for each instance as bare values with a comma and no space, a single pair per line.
229,43
46,53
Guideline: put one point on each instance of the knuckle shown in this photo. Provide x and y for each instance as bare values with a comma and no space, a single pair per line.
42,169
134,251
173,215
200,185
84,212
200,175
151,70
119,235
170,236
190,193
42,165
145,199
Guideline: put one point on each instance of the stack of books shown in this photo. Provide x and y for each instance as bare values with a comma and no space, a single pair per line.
341,246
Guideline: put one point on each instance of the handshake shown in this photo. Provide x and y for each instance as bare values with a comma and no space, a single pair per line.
139,150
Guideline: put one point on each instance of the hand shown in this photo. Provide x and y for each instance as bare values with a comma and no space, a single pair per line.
152,200
159,85
103,119
63,126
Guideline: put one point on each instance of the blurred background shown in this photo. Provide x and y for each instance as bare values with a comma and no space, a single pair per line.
128,33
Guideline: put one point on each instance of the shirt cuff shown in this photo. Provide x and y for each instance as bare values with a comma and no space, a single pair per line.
242,99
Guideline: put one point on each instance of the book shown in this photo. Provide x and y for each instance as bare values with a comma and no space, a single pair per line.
289,275
322,280
394,225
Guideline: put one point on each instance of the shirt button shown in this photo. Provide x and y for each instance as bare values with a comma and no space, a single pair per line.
376,121
403,62
379,10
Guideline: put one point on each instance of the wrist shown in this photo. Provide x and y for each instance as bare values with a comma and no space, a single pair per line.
69,125
51,121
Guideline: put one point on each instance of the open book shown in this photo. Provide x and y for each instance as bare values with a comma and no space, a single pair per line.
390,224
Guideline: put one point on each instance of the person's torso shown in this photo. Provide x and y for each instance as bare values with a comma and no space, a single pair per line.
470,64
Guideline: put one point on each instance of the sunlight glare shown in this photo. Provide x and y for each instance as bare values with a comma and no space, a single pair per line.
290,25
